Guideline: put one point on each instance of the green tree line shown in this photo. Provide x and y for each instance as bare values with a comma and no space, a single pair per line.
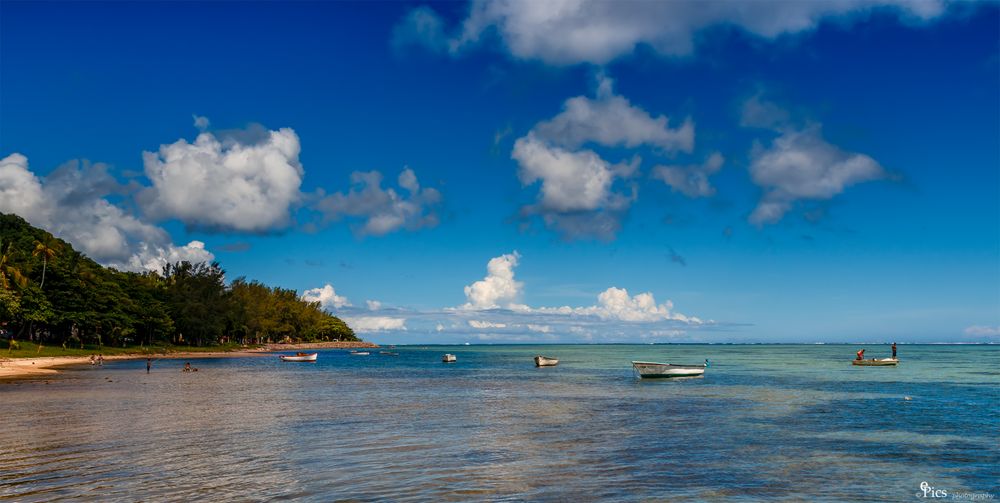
54,295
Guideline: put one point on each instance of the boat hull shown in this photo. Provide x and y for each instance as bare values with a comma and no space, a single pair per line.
876,362
654,370
303,358
542,361
449,358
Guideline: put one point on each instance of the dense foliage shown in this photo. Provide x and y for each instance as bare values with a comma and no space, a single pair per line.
53,294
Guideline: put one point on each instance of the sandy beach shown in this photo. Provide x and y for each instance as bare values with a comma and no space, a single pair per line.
31,367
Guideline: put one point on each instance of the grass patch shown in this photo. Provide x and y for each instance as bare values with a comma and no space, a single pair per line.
25,349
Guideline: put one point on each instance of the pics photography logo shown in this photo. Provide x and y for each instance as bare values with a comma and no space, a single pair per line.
929,491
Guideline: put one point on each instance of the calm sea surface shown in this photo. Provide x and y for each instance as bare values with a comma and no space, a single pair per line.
795,422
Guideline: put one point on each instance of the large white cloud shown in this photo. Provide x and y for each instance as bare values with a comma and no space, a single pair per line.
71,203
571,181
578,195
244,181
326,296
598,31
498,289
800,164
383,210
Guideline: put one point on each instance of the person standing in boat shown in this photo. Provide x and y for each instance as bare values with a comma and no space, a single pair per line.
894,350
861,354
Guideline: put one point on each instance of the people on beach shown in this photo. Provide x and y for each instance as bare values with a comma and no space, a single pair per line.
100,360
861,354
93,360
149,364
893,349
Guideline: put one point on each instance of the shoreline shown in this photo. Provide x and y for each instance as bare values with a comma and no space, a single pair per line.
14,368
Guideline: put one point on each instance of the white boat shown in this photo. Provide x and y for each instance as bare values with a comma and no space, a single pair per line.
544,361
360,353
876,362
448,358
299,357
655,369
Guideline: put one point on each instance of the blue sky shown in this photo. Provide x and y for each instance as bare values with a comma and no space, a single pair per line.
800,171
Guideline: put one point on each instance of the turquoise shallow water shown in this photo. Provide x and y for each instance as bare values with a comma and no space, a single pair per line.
766,422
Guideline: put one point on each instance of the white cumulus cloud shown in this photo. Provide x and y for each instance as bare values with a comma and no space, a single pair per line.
564,32
244,181
71,203
615,303
326,296
578,194
800,164
611,120
498,289
373,305
383,210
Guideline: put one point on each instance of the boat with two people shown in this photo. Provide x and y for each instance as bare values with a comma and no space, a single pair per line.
876,362
299,357
861,361
656,370
545,361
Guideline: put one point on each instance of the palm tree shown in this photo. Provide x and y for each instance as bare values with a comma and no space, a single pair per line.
8,273
47,250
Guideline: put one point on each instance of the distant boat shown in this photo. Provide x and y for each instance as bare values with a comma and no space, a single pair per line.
299,357
876,362
544,361
448,358
360,353
654,369
388,353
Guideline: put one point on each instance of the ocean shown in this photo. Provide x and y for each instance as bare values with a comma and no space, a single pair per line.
765,422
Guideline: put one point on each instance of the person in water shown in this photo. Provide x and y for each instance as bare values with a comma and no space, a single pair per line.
187,367
894,350
149,363
861,354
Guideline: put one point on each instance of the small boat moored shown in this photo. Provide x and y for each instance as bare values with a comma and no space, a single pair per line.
876,362
388,353
448,358
360,353
655,369
299,357
544,361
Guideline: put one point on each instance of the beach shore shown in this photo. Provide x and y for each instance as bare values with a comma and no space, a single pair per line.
34,367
